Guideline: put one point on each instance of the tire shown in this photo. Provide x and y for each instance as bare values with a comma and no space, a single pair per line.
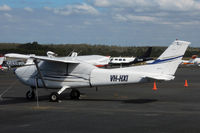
75,94
54,97
30,95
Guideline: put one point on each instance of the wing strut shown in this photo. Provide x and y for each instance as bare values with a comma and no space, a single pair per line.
39,72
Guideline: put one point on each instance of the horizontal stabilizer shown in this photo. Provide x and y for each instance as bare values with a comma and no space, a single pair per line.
165,66
159,77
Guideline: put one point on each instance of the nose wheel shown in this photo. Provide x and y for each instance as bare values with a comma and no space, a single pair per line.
54,97
30,95
74,94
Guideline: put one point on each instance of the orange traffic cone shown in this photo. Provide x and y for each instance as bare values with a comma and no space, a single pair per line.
186,83
154,86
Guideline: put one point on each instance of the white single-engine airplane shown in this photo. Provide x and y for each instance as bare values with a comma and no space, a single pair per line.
131,60
60,74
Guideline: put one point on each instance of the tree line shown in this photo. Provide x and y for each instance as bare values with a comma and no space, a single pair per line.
86,49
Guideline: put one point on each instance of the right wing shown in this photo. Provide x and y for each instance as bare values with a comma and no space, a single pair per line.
17,56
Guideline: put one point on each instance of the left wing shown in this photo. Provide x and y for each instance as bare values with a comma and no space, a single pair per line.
44,58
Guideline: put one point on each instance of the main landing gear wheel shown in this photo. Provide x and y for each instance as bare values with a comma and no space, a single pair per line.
74,94
54,97
30,95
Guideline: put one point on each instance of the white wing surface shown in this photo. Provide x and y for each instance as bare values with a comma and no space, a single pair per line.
43,58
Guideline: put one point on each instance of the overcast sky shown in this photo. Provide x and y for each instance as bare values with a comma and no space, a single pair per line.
112,22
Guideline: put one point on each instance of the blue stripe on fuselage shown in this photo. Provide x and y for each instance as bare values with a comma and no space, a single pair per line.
164,60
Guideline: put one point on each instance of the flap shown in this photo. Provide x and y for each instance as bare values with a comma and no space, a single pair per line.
55,59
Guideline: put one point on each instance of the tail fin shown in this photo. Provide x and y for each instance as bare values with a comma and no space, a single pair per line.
170,59
142,58
147,53
166,65
194,56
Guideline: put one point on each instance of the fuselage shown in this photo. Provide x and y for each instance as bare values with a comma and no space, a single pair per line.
57,75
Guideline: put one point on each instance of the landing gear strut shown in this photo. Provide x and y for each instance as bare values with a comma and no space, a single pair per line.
30,95
74,94
54,97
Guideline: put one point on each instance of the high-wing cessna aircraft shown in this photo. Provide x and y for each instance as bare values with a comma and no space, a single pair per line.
61,74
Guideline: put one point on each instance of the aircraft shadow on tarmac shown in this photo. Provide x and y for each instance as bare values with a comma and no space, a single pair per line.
140,101
130,101
16,100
